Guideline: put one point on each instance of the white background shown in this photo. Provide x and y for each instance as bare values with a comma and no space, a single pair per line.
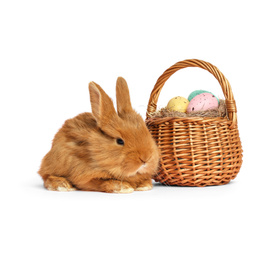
49,52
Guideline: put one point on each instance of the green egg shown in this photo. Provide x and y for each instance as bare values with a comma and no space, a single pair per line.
197,92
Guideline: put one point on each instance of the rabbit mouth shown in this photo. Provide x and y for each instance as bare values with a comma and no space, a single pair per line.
142,167
141,170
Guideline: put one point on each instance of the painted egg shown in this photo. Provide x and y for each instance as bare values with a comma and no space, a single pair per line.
202,102
179,104
197,92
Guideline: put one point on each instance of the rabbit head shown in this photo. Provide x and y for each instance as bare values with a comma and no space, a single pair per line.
122,145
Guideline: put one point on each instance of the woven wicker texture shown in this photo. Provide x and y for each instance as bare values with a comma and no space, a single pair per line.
196,151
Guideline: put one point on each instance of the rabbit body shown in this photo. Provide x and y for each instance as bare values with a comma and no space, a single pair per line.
103,151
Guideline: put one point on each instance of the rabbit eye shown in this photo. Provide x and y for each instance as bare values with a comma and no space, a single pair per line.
120,141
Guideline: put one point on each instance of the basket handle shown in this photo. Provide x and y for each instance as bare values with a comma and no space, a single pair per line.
225,85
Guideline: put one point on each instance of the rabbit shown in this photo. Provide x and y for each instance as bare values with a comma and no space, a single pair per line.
106,151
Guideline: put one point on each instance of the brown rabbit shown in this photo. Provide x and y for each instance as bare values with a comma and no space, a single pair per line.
103,151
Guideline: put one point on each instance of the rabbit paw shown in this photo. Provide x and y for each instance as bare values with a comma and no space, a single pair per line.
54,183
124,190
123,187
146,185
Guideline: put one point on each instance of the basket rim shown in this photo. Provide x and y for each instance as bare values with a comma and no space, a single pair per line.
204,120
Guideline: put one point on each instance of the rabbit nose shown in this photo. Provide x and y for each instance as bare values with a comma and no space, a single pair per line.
142,160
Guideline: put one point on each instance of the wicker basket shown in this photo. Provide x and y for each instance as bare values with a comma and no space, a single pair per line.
196,151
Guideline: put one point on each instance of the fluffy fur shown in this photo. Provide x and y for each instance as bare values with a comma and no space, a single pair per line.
85,153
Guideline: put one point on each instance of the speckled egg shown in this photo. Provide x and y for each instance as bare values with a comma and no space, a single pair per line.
202,102
197,92
179,104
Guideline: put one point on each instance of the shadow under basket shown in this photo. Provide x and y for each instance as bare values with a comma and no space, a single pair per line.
196,151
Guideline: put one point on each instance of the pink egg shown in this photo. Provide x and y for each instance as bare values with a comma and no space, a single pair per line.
202,102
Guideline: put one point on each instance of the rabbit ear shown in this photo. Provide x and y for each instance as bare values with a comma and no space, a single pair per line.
122,97
102,106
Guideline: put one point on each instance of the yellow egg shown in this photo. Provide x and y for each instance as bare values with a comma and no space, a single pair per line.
179,104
